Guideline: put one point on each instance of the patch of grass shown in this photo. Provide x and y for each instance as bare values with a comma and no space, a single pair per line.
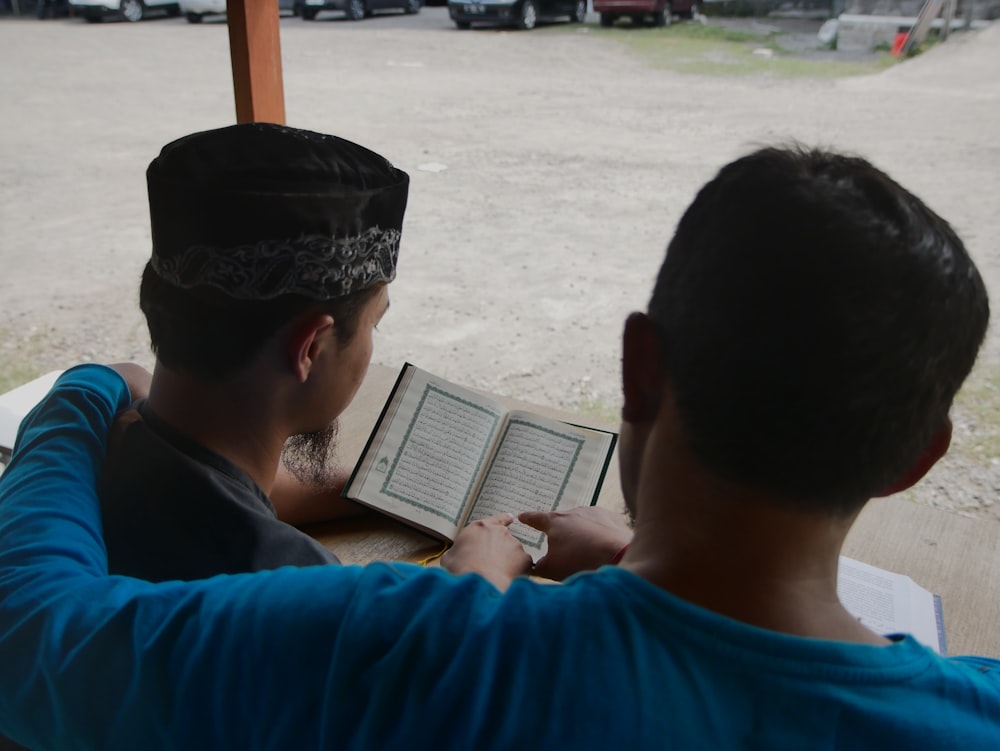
920,49
711,33
21,361
600,411
704,49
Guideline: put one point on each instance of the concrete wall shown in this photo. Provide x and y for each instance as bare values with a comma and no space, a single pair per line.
869,24
981,9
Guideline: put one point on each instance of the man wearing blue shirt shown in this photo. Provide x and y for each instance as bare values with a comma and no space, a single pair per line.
807,333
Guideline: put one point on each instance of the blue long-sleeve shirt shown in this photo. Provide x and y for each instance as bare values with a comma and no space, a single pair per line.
396,656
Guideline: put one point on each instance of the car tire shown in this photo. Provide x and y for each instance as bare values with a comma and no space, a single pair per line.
356,9
132,10
463,25
579,14
309,14
607,20
194,17
412,6
528,16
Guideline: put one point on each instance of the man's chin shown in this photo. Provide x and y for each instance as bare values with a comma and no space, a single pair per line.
309,457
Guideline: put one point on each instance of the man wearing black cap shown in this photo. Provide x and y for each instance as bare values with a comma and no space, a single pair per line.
272,251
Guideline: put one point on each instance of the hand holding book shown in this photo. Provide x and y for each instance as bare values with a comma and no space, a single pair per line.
487,548
580,539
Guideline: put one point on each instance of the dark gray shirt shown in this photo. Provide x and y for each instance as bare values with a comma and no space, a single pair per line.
173,509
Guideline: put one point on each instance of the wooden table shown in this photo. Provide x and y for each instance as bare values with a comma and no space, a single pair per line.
955,557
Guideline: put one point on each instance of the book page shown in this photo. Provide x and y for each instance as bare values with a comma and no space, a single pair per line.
541,465
427,453
890,603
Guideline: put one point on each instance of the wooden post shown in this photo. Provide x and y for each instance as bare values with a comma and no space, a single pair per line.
930,10
256,54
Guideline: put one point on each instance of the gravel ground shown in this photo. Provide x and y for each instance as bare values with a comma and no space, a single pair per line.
548,170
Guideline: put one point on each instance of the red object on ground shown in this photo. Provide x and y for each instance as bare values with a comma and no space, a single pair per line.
898,43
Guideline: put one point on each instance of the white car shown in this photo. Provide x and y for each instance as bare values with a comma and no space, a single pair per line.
196,10
357,9
128,10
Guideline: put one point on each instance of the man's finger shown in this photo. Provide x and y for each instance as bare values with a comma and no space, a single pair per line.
540,520
504,519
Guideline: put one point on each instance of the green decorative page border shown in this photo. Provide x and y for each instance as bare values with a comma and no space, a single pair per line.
402,447
536,541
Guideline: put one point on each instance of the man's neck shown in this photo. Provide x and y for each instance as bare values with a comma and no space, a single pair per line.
744,557
236,418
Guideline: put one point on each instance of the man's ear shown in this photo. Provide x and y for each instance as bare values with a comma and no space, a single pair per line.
643,373
937,448
305,338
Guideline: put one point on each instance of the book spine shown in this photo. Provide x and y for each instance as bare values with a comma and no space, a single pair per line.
381,416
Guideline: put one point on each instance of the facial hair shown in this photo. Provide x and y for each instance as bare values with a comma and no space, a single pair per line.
309,457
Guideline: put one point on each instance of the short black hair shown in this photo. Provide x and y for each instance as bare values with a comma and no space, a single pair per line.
816,320
207,334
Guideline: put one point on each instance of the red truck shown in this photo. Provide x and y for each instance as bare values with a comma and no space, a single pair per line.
658,12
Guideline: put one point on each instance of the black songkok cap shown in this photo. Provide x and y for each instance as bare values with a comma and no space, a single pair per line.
258,210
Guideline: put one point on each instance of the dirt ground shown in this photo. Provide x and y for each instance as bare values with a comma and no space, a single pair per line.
548,171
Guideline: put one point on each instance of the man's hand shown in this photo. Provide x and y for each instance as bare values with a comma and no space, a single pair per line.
581,539
136,376
486,547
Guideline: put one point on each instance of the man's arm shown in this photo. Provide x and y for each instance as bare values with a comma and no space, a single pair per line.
105,662
62,438
265,660
298,503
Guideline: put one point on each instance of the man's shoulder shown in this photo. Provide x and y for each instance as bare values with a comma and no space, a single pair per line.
173,509
980,671
146,453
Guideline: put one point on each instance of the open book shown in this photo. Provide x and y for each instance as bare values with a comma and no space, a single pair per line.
442,456
889,603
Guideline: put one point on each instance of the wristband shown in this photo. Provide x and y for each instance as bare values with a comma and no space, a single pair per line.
619,555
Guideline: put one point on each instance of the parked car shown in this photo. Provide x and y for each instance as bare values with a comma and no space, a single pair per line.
127,10
196,10
52,9
356,9
523,14
657,12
